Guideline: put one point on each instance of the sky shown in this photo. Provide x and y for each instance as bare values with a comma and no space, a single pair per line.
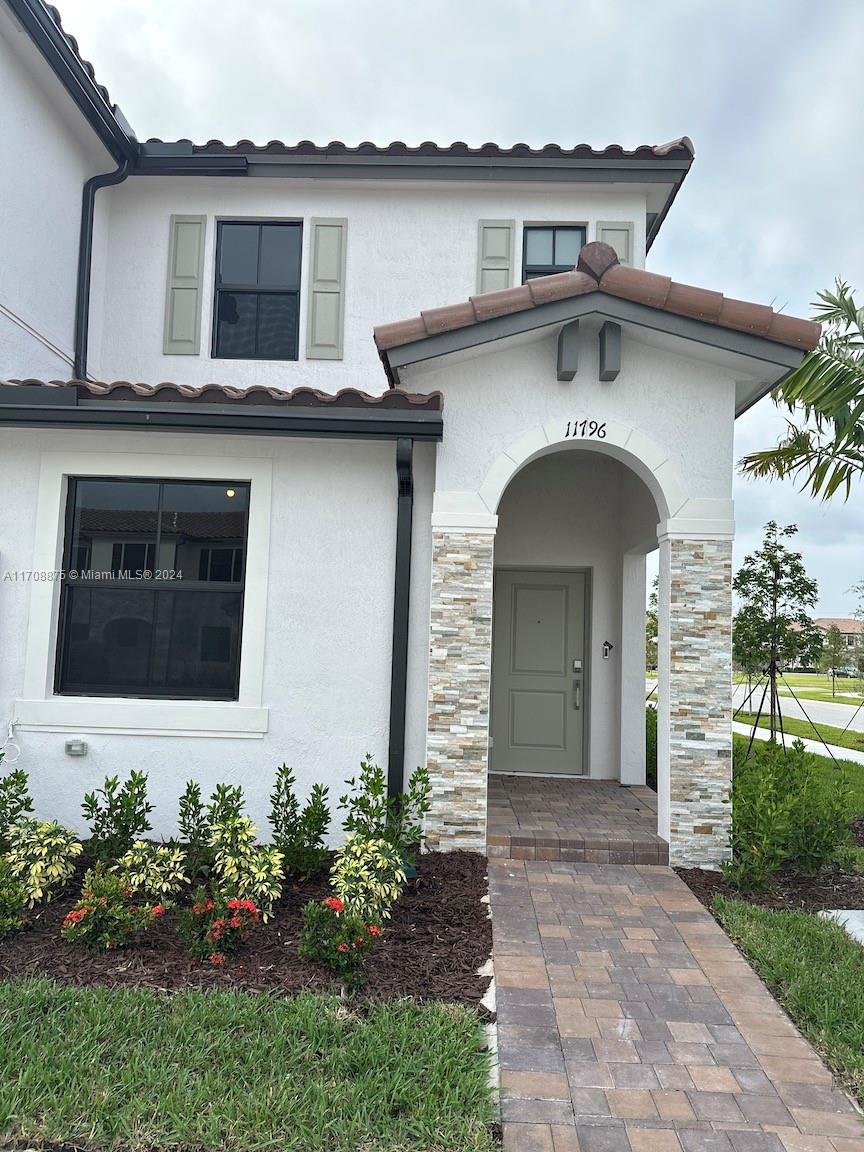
766,90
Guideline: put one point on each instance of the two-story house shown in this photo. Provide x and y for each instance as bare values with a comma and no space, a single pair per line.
427,415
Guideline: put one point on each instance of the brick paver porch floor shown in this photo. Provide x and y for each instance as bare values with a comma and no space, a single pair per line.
629,1022
597,821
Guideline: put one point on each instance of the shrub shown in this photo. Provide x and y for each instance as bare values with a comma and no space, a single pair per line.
117,815
13,900
195,829
15,803
105,916
42,855
151,870
226,804
216,924
784,811
651,747
337,937
299,836
242,868
372,815
368,876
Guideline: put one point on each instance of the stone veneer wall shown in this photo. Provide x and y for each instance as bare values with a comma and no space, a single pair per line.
700,700
459,673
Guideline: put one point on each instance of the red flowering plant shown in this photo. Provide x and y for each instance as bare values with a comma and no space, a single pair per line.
107,915
217,924
336,936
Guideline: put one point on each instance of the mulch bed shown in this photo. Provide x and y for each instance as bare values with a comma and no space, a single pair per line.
787,889
437,938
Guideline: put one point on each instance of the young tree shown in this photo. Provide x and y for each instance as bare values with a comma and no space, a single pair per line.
858,650
824,448
772,623
651,628
834,654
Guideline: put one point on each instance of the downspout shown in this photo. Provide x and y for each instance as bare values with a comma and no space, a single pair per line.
85,261
401,610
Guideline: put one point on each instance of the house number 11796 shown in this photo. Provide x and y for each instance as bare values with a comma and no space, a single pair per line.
585,428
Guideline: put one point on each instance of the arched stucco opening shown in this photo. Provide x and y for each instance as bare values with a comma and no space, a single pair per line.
568,630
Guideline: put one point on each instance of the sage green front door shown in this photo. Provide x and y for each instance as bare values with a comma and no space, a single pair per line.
538,672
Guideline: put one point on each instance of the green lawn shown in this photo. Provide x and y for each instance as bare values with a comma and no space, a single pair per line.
224,1070
795,727
816,686
815,970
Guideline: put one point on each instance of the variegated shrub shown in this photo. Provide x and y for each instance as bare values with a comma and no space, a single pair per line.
42,857
155,871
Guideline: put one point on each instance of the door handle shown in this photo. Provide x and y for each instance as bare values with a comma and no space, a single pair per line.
577,695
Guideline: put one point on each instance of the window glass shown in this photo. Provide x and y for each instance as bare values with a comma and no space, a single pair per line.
158,611
235,326
238,254
280,257
568,242
277,326
539,246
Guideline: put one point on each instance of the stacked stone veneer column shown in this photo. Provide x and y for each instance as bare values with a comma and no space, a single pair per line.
459,673
700,700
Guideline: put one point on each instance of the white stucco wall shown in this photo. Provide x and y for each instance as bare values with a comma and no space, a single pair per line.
326,657
47,151
409,247
681,406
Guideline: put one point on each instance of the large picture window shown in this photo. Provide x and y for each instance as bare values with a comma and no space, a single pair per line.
157,611
257,306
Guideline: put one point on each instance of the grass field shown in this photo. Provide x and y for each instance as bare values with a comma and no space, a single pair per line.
228,1070
815,970
836,737
817,686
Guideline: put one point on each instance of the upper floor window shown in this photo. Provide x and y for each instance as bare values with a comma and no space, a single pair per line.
548,249
158,610
257,305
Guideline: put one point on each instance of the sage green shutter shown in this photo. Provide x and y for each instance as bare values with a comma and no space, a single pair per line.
618,234
325,326
495,255
183,294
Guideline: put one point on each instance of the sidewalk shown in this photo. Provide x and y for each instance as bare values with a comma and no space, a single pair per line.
629,1022
811,745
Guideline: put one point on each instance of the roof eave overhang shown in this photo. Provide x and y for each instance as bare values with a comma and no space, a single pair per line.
778,359
59,408
107,121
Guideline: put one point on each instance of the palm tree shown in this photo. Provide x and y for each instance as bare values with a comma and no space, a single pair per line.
826,449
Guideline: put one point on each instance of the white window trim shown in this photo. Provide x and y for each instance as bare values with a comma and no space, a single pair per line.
40,710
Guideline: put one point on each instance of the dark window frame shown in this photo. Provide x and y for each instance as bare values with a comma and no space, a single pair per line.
245,289
529,271
186,586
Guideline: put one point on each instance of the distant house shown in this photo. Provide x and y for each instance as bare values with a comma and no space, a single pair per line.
851,629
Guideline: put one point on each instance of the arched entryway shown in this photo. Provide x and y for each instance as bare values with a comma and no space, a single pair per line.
567,698
548,500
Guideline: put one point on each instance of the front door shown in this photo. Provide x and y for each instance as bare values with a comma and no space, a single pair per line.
538,672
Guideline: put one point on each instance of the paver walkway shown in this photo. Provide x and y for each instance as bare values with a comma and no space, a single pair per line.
598,821
629,1022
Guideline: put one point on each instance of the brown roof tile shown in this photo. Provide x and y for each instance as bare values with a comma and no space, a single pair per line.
680,149
167,393
598,270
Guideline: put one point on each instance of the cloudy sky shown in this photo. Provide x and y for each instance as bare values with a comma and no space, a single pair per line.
766,90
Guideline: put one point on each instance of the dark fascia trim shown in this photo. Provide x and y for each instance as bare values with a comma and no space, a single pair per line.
107,122
63,409
608,308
